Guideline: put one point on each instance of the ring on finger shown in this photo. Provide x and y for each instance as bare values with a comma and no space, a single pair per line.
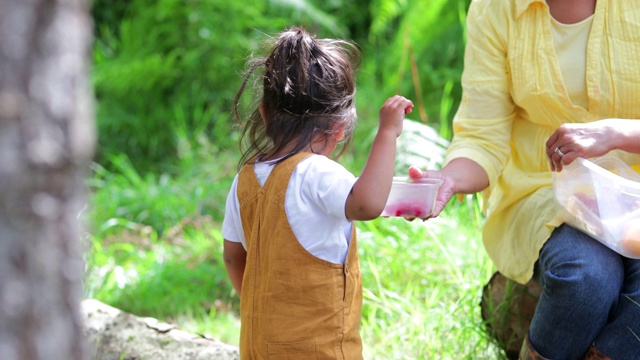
559,152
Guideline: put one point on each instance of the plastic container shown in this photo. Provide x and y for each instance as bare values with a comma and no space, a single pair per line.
602,198
412,198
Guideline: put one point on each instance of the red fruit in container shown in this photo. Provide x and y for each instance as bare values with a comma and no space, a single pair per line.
412,198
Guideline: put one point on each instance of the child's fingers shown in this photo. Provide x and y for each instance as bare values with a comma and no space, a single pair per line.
408,106
408,109
396,105
405,104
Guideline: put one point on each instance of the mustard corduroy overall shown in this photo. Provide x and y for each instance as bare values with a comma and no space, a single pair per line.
293,305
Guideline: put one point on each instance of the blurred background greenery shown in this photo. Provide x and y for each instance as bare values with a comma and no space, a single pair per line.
165,73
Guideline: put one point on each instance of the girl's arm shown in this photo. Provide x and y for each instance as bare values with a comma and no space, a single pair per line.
371,190
235,257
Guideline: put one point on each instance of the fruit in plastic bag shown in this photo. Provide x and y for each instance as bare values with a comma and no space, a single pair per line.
631,238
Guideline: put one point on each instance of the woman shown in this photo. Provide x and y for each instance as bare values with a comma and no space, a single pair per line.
530,67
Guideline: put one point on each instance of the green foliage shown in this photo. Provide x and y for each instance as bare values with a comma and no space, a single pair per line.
158,200
417,50
162,66
315,17
163,278
167,64
435,302
179,278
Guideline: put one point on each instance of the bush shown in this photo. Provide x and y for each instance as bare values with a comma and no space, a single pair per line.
169,67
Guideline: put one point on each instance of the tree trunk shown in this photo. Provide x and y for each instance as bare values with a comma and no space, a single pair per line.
47,139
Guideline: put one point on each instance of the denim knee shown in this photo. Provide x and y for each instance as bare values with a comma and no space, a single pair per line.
619,339
581,282
579,269
594,287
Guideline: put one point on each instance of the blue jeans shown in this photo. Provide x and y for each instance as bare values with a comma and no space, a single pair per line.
590,295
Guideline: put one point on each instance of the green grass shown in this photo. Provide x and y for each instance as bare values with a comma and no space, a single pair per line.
422,288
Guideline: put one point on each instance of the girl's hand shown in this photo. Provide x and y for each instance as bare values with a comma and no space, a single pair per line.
392,113
445,193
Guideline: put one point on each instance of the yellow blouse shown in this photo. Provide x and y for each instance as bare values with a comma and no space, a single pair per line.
514,98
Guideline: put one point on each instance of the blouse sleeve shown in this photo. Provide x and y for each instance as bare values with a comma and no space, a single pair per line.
482,124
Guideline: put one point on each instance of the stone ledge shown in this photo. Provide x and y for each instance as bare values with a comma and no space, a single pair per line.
116,335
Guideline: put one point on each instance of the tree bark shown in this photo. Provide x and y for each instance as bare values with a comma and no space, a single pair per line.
47,139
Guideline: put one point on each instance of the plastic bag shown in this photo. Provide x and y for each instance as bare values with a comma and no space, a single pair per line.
602,198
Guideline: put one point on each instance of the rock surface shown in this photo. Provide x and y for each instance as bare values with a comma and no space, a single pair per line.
116,335
507,309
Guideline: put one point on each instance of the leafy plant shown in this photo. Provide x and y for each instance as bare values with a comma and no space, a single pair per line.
416,49
167,64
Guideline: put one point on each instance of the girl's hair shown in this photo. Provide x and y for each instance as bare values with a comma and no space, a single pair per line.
308,88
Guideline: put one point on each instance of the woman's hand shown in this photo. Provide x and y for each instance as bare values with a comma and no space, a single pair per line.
593,139
460,176
445,192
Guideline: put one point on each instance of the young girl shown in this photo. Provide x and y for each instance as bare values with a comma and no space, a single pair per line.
290,244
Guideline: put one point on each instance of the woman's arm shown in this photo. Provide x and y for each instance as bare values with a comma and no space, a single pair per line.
484,120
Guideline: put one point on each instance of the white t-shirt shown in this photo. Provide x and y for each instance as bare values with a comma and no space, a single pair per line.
570,42
314,203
